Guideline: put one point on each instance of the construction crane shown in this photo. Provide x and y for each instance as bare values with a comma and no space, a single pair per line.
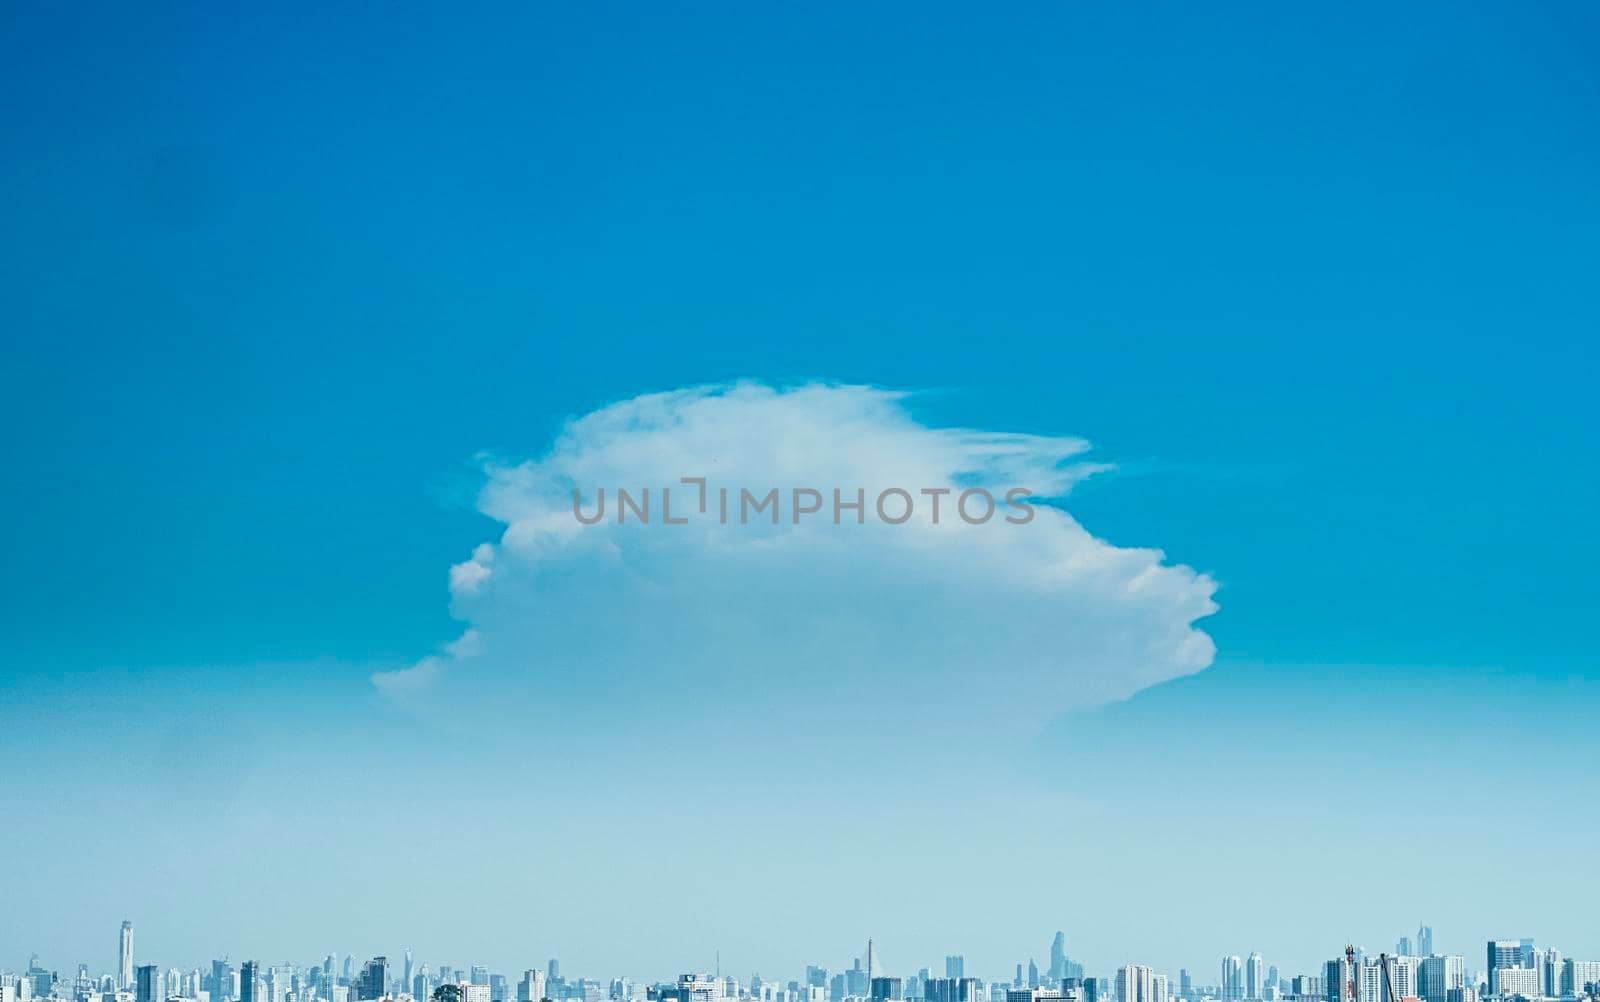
1352,987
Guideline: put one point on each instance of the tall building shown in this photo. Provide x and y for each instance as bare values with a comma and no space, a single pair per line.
1335,973
1515,981
1441,975
1232,984
249,982
1135,983
950,990
1425,940
1058,956
1507,954
885,990
407,975
1547,963
1402,948
125,957
531,987
374,979
147,984
1255,976
1185,983
1580,977
955,966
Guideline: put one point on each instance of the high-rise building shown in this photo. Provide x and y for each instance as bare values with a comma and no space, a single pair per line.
951,990
407,971
531,987
1185,983
1058,956
1506,954
1232,984
249,982
1515,981
1580,977
374,983
1402,947
885,989
1033,974
1135,983
1425,940
955,966
220,983
147,984
1255,976
125,957
1439,975
1547,963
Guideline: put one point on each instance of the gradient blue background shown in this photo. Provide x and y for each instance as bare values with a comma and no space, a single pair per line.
1320,280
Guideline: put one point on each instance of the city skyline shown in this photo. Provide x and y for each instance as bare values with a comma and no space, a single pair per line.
1241,977
319,318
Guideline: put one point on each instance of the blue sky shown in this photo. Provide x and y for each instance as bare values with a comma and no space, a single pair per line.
1318,282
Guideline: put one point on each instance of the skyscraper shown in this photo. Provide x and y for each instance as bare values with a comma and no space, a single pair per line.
955,966
1254,976
248,982
1440,975
1507,953
1058,956
125,957
1232,985
374,979
147,984
407,975
1425,940
1136,983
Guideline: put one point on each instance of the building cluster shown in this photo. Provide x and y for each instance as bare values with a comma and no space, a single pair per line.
1515,971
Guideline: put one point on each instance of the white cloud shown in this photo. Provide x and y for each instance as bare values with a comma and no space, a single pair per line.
762,622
